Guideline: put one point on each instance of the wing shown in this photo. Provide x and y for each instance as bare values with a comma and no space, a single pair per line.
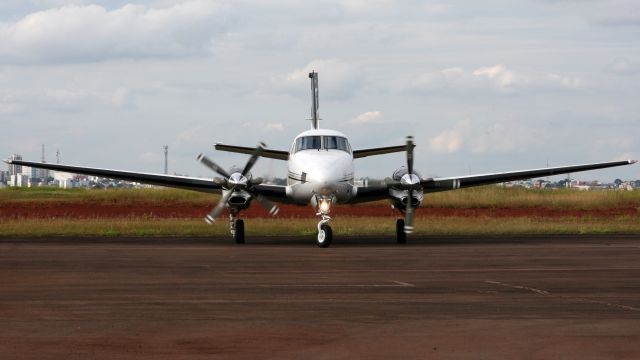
457,182
268,153
183,182
379,192
378,151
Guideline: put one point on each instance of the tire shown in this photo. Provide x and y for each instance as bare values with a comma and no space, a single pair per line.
325,236
239,235
401,236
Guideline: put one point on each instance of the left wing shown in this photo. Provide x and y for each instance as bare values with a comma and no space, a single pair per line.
379,192
458,182
183,182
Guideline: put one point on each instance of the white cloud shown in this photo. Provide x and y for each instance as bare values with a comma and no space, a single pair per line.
622,67
450,140
275,127
499,137
337,79
498,77
80,33
121,97
369,117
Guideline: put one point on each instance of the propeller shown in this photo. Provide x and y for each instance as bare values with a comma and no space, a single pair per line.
237,181
408,217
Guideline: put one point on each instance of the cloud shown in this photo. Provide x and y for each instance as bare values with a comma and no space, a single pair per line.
629,19
121,97
622,67
451,140
369,117
497,137
497,77
337,79
279,127
85,33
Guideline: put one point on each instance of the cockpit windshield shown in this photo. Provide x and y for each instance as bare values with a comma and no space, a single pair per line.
322,142
335,142
308,143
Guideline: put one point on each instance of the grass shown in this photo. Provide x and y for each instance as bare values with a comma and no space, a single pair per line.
307,227
481,197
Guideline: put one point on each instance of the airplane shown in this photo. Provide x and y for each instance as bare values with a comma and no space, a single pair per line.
320,174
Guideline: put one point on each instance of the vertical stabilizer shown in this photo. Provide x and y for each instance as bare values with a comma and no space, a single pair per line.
315,104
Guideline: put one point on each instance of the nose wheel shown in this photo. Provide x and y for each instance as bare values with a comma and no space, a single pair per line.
325,234
236,226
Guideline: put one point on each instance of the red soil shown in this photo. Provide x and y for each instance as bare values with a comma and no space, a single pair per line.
183,210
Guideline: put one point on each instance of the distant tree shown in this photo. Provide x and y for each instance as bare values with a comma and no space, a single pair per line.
618,182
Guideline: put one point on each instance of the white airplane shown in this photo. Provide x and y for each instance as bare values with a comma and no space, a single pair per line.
320,173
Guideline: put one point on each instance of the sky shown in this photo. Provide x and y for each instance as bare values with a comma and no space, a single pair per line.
483,87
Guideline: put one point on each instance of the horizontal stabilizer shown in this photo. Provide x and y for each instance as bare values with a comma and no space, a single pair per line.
378,151
267,153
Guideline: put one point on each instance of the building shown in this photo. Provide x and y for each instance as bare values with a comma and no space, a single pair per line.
14,169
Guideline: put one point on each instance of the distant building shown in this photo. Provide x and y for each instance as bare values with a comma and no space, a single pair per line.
4,177
14,169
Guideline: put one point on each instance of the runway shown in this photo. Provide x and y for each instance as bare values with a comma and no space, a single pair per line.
551,297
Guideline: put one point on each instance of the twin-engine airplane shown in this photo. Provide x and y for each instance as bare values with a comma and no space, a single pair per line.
320,164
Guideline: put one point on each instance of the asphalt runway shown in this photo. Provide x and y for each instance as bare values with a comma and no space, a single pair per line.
560,297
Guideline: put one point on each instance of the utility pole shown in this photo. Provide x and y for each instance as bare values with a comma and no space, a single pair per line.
43,153
166,158
57,156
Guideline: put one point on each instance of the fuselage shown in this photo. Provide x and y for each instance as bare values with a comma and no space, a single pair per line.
320,164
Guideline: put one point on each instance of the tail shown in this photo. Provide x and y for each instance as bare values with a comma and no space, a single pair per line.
315,104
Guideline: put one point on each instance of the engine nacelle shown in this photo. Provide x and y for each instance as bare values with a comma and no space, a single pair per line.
239,199
400,197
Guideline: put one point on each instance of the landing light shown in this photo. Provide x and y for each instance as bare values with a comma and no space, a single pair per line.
325,204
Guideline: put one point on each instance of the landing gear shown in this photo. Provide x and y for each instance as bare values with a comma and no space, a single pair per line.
238,236
325,235
236,227
401,236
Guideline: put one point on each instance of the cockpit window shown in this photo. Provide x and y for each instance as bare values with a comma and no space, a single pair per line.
308,143
322,142
336,142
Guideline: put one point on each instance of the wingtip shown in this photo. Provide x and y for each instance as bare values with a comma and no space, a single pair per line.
6,161
200,156
633,161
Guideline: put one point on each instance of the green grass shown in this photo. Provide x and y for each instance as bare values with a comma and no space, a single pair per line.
307,227
124,196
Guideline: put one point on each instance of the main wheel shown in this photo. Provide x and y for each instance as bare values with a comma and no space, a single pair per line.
325,235
239,234
401,236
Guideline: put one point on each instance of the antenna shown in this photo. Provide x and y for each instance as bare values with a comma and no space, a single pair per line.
57,156
315,104
166,156
43,154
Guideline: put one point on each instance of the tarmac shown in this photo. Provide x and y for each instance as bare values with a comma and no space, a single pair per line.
530,297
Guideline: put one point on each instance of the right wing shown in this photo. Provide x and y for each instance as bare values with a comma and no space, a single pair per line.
267,153
183,182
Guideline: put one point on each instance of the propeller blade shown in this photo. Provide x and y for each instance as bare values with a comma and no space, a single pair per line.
408,217
215,212
410,154
213,166
267,204
253,158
